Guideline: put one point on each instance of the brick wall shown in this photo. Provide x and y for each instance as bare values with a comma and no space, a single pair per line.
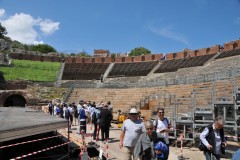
119,59
157,56
214,49
68,59
202,51
14,55
108,60
47,58
179,55
231,45
238,43
88,60
169,56
73,59
128,59
138,59
98,59
25,57
79,60
149,57
36,57
56,59
192,53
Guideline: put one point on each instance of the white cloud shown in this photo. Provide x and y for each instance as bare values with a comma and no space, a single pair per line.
2,12
20,27
23,27
167,32
48,26
38,42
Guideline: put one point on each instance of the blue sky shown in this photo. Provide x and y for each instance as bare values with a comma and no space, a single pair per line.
122,25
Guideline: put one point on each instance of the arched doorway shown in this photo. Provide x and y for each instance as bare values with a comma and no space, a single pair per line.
15,100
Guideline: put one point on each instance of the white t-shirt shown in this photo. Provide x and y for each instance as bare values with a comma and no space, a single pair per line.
133,130
161,126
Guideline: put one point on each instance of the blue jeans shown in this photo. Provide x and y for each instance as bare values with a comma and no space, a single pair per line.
211,156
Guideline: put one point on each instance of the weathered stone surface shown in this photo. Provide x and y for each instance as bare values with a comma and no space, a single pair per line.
4,45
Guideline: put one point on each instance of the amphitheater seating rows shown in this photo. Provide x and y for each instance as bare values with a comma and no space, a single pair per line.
125,98
84,71
132,69
175,64
228,53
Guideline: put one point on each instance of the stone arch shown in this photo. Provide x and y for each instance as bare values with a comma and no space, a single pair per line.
15,100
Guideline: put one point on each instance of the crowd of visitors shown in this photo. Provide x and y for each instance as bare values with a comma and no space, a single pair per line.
84,113
139,140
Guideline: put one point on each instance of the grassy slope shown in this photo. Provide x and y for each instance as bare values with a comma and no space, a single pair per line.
31,70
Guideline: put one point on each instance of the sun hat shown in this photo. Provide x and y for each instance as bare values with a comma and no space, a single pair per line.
133,111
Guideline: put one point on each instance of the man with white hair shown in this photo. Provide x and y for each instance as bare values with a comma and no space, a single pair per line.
213,138
131,130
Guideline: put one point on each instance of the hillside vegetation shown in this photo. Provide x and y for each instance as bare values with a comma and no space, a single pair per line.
31,70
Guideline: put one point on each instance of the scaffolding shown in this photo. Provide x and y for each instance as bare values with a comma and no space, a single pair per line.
190,115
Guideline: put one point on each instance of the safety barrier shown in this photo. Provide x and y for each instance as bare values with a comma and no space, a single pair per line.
39,151
28,141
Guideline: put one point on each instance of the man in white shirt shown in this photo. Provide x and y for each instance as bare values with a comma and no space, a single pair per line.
131,130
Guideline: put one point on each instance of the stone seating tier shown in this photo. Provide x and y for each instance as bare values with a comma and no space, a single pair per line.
124,99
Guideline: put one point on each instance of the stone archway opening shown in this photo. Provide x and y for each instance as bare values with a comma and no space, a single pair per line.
15,100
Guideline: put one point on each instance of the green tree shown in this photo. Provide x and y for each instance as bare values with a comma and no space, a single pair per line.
16,44
72,54
3,31
83,54
43,48
139,51
113,55
62,55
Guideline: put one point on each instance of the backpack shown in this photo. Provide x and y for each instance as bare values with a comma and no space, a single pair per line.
50,106
95,116
67,113
82,114
75,111
57,110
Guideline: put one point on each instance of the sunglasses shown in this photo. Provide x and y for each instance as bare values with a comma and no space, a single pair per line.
133,113
160,112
